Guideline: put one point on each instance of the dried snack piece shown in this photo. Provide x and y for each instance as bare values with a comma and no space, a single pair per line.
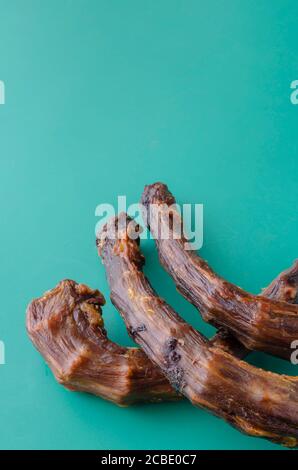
257,402
66,326
258,322
65,338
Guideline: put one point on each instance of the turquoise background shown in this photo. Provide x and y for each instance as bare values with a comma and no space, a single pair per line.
103,97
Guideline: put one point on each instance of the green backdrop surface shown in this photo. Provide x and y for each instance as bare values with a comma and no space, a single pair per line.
103,97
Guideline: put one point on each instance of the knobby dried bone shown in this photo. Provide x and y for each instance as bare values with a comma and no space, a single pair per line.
66,327
285,286
256,402
258,322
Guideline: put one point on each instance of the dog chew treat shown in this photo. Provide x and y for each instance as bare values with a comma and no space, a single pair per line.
66,327
259,403
80,354
65,344
258,322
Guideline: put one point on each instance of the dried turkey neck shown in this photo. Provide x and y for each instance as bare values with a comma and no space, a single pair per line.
78,351
66,327
258,322
256,402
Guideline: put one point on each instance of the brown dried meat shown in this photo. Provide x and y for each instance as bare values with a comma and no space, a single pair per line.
258,322
257,402
66,326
